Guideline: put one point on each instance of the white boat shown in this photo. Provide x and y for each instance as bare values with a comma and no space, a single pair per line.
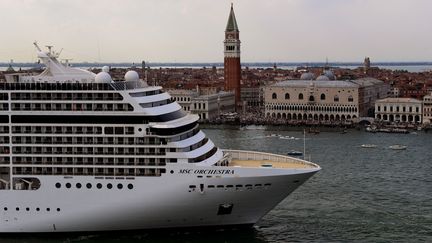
80,152
398,147
368,145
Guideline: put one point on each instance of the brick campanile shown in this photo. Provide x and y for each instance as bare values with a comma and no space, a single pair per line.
232,68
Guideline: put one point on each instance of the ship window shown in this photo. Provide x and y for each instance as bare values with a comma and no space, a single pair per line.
130,186
17,209
89,185
68,185
109,186
99,186
119,186
58,209
210,186
27,209
38,209
78,185
109,130
48,209
5,208
58,185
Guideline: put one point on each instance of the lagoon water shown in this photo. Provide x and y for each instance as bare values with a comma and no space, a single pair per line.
361,194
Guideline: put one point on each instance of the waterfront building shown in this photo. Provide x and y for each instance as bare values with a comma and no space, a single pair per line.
183,97
232,68
427,109
208,106
252,96
399,110
322,99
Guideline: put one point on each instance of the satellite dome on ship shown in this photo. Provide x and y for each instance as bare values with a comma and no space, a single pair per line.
103,77
131,76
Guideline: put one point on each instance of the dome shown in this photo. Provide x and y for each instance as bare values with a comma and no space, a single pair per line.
329,74
307,76
323,78
131,76
103,77
105,69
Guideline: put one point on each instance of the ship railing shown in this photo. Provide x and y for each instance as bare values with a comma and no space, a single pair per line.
127,85
254,155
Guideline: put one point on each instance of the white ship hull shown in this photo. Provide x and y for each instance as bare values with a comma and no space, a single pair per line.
154,202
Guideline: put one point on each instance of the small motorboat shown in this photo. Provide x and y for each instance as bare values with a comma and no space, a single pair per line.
368,146
294,153
398,147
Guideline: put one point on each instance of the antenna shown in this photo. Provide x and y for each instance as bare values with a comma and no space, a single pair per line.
49,48
36,45
58,53
304,144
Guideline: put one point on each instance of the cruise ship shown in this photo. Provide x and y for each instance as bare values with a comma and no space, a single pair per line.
81,152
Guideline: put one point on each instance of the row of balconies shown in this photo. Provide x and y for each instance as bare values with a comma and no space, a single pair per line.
88,171
87,161
70,107
63,86
60,129
66,96
86,150
86,140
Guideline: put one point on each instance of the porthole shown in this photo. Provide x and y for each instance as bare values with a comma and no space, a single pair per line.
5,208
130,186
58,185
48,209
99,186
172,172
78,185
89,185
58,209
27,209
38,209
139,129
68,185
17,209
119,186
109,185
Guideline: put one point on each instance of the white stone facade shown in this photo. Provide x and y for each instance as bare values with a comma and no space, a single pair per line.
399,110
207,107
427,109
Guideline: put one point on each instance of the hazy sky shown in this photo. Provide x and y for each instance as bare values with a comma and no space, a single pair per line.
193,30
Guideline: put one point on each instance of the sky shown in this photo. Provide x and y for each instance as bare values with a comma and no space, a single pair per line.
193,30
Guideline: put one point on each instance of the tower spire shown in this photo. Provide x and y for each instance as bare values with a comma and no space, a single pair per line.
232,68
232,22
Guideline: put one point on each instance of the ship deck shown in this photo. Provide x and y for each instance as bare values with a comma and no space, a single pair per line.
268,163
239,158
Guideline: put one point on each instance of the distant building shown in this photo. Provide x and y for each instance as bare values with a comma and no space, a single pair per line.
207,107
427,109
322,99
399,110
252,96
183,97
232,68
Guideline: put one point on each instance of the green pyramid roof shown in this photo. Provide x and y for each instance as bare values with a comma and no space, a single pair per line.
232,23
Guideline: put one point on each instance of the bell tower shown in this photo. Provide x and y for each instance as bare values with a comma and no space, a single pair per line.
232,68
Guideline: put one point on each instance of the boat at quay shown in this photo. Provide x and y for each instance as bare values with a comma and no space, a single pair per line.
80,152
